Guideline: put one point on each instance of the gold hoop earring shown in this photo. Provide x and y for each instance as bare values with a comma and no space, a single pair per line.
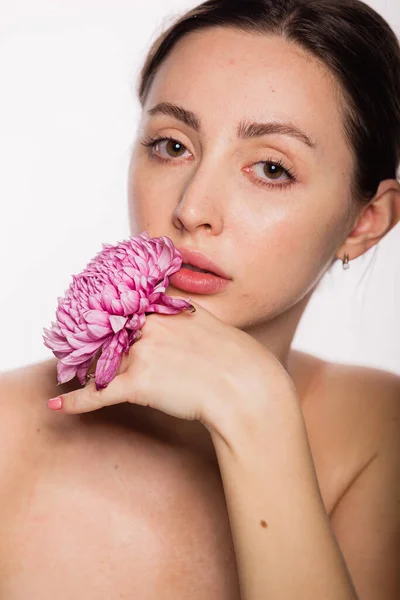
345,261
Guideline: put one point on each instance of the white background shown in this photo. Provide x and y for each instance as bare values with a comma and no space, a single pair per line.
68,114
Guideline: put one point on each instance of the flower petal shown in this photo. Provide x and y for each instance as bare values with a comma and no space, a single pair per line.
65,372
108,363
130,302
117,323
81,354
96,317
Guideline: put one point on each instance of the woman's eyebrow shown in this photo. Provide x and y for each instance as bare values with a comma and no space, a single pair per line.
245,130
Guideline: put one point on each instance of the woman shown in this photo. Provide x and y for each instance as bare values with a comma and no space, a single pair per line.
219,463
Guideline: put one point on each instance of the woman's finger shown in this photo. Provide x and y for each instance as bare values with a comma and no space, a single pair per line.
89,398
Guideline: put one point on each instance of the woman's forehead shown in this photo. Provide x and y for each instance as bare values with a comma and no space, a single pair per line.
227,74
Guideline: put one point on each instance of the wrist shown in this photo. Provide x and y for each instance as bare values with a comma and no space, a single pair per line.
269,417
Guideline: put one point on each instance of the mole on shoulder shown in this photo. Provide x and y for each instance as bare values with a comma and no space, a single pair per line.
263,523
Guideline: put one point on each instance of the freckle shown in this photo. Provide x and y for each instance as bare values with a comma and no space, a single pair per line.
38,430
263,524
116,466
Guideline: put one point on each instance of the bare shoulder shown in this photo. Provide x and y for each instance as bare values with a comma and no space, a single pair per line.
351,400
365,400
22,388
351,412
24,414
15,426
364,405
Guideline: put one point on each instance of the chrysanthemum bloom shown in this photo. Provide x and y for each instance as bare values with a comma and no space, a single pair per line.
106,305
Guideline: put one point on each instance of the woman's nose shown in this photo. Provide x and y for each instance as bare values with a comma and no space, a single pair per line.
201,204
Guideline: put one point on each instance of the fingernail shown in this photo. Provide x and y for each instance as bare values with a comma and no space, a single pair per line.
55,403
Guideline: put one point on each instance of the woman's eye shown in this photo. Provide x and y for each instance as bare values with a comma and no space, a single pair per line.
173,148
166,147
271,170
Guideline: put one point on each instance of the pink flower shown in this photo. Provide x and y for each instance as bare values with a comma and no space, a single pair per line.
106,305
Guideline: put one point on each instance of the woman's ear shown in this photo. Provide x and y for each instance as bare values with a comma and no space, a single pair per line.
375,220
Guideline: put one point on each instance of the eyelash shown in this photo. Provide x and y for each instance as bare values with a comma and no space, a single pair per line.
150,142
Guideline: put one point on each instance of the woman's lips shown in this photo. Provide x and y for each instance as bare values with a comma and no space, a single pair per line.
197,259
198,283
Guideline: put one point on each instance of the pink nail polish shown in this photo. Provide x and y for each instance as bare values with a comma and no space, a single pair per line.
55,403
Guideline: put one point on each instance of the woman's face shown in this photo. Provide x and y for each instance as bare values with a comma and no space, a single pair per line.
274,232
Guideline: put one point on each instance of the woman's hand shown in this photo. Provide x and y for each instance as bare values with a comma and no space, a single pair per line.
192,366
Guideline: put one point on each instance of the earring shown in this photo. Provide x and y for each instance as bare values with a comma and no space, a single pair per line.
346,262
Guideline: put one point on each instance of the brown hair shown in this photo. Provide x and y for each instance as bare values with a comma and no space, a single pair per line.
351,39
